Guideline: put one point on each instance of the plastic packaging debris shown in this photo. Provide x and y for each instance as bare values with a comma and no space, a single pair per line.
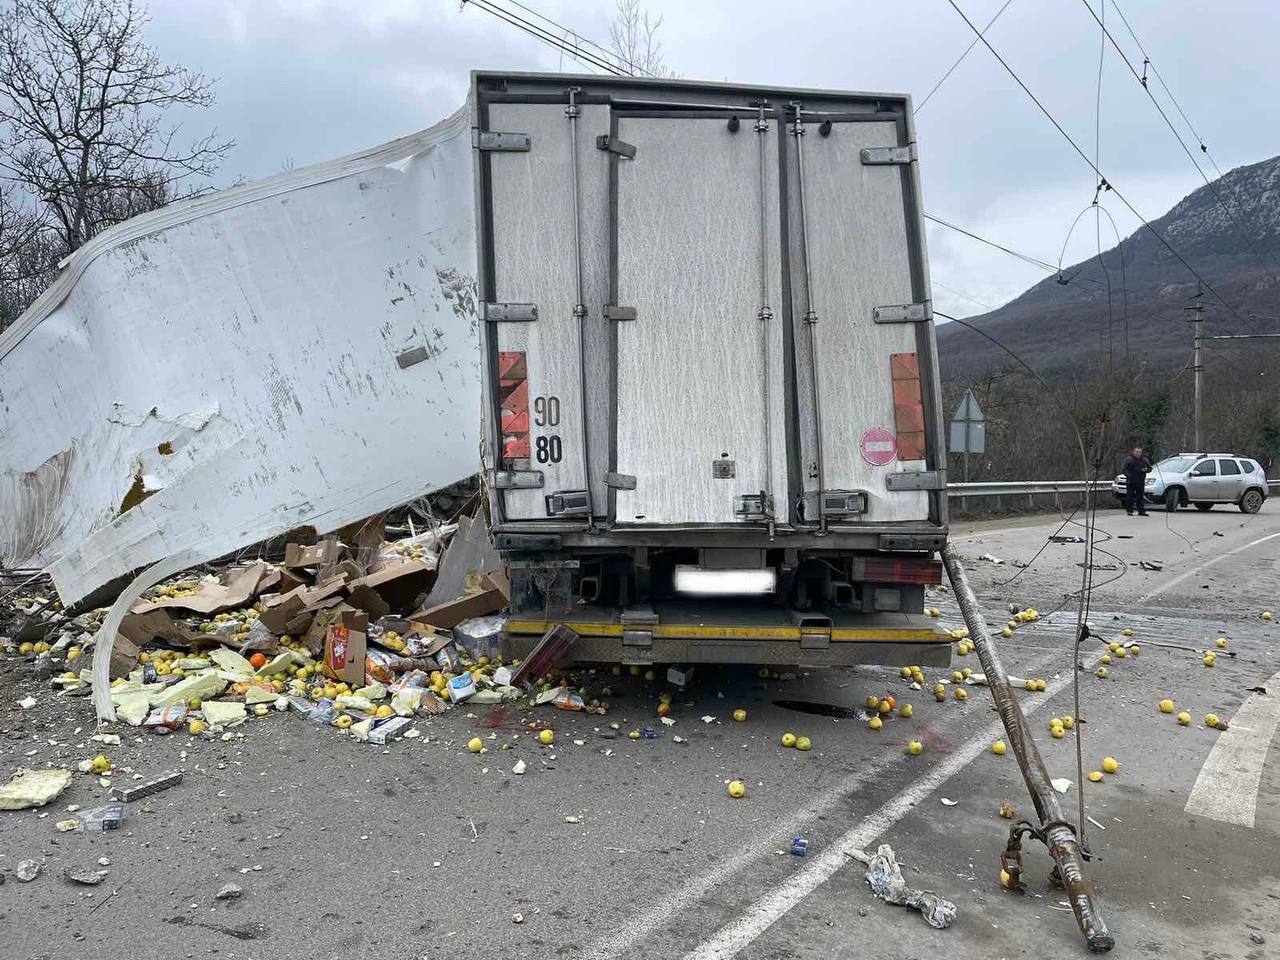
26,703
27,870
137,791
884,876
373,691
569,700
66,826
799,847
362,729
322,712
231,891
519,768
461,687
481,635
990,559
166,719
33,788
112,739
352,702
1061,784
107,817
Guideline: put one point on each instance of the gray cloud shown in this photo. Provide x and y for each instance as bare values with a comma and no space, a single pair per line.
303,80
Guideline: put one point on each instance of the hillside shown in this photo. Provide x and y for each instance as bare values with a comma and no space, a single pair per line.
1061,327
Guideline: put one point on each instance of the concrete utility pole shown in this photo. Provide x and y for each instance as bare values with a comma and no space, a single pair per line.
1197,367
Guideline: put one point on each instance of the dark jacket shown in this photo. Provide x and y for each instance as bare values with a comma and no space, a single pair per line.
1136,468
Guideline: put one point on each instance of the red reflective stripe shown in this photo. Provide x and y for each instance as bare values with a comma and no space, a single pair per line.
513,390
908,405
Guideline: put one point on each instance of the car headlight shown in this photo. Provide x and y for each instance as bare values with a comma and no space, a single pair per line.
1151,481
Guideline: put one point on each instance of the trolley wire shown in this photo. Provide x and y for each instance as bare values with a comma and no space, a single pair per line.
1105,183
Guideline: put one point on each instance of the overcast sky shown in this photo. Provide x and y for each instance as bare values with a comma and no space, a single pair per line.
305,80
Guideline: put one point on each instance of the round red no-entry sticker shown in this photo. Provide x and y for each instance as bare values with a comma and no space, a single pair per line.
879,446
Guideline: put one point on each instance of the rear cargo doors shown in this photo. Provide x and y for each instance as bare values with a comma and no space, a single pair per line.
547,341
857,268
699,419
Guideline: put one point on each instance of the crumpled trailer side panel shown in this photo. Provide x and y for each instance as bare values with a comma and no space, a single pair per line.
299,350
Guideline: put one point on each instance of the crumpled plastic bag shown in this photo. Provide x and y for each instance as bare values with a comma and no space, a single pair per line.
884,876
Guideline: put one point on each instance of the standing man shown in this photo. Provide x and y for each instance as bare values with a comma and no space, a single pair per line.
1136,468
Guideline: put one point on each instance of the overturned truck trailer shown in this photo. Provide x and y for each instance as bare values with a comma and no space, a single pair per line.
301,350
711,389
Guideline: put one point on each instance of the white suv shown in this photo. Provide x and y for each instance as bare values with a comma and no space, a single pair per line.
1203,479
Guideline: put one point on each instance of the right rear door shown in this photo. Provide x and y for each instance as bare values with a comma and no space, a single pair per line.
871,383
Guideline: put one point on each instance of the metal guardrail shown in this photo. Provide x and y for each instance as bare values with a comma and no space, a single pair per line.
1008,488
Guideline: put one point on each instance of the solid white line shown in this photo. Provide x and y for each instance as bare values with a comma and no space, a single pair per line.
762,914
1170,584
1227,787
631,930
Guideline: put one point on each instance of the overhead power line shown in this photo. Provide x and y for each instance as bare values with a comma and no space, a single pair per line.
612,55
541,33
1105,183
960,59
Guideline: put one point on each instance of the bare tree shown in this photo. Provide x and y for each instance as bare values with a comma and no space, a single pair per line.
82,99
633,38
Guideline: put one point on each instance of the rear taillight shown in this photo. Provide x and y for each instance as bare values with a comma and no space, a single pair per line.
902,570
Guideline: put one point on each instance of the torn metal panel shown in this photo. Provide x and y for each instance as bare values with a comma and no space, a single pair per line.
226,368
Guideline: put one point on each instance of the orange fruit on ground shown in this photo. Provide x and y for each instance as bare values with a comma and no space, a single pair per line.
258,660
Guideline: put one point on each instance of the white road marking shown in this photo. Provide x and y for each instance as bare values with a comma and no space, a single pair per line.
1170,584
773,905
770,908
1227,787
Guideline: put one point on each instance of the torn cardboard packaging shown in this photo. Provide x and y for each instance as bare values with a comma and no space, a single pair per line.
232,590
448,615
318,554
344,644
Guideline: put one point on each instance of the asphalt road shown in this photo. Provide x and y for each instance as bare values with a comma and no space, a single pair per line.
423,850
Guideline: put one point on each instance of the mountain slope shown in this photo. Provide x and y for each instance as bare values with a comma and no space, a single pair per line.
1230,235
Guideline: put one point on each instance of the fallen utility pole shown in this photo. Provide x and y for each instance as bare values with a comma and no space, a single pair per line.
1054,830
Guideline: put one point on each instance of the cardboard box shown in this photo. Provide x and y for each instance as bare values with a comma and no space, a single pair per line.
446,616
326,551
399,583
344,644
277,613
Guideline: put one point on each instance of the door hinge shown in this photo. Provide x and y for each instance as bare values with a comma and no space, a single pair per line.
919,480
614,312
620,481
510,312
903,313
500,142
879,156
614,145
517,479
